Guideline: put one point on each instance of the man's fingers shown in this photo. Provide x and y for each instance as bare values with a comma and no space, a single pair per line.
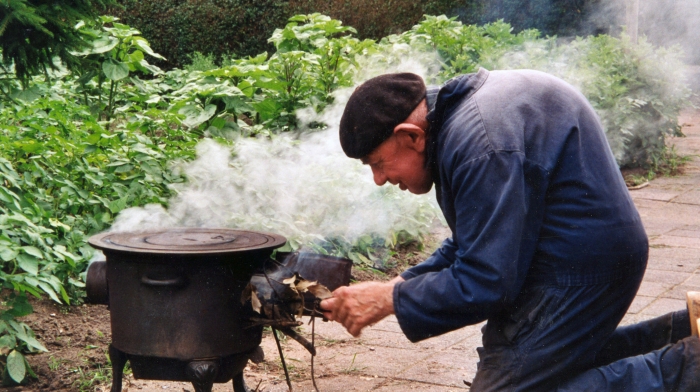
328,307
328,304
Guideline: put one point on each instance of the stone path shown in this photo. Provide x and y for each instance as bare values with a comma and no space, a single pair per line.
383,360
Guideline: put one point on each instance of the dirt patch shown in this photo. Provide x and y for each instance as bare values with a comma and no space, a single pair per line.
77,338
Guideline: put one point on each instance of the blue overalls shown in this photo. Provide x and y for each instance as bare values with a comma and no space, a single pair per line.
547,244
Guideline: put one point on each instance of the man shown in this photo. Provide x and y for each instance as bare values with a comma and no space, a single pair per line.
547,244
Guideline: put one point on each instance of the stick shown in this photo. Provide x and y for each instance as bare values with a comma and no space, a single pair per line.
284,364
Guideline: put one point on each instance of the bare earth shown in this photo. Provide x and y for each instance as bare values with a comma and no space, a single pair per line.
382,359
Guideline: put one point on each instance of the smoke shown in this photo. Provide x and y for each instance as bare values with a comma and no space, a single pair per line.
300,186
663,22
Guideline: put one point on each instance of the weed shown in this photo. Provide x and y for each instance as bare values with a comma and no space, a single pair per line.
667,162
352,368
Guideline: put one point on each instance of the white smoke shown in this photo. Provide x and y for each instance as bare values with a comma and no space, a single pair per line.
303,187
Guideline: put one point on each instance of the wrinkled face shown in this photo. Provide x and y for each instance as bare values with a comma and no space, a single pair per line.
394,161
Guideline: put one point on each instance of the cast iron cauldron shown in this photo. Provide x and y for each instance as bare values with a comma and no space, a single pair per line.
174,297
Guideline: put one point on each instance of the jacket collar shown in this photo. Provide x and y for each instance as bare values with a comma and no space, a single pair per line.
441,102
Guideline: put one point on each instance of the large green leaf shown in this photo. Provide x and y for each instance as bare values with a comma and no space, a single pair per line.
15,366
143,44
195,115
7,253
103,45
7,344
33,251
50,291
115,70
28,263
31,342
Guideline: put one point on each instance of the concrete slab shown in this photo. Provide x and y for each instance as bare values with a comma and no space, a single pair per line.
668,277
661,306
653,289
640,302
653,194
444,368
676,241
692,197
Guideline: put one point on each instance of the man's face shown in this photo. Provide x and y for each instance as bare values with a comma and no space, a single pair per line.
395,162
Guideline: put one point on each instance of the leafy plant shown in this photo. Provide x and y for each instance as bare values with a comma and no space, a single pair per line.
117,51
16,339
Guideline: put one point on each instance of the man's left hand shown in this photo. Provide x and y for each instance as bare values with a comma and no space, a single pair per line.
360,305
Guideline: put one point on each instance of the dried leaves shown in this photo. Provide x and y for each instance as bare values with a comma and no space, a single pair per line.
282,300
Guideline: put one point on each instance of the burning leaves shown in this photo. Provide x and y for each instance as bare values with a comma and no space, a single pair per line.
280,301
283,299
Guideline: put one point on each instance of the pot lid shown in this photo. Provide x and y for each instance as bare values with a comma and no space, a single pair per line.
190,241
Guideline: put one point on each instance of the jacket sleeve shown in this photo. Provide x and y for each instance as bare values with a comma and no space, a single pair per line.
490,210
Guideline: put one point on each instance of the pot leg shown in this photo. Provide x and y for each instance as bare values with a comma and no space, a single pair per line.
118,359
239,383
202,374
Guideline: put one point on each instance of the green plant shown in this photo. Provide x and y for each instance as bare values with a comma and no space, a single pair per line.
91,374
667,162
115,52
16,339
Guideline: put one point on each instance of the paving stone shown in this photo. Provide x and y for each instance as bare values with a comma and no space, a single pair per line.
653,289
661,306
341,383
653,194
685,232
679,292
676,241
639,303
663,276
673,255
691,197
406,385
693,281
449,368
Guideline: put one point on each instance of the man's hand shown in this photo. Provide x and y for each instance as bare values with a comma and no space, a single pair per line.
360,305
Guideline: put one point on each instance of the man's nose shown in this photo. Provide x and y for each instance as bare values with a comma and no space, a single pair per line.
379,177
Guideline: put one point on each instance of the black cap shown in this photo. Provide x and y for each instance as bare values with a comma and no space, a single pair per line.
375,108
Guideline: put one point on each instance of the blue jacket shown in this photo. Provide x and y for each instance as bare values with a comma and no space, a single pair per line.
533,196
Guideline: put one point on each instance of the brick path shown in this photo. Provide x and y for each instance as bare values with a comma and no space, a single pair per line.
382,359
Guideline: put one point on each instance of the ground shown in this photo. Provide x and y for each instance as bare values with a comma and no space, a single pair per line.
382,359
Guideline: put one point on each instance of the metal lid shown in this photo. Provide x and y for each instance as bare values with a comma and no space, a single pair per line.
187,241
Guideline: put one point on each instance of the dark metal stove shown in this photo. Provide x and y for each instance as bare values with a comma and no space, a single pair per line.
174,297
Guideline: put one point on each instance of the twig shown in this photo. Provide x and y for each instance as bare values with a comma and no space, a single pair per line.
294,335
255,321
284,364
313,344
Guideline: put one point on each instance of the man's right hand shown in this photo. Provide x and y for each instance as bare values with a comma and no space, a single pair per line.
360,305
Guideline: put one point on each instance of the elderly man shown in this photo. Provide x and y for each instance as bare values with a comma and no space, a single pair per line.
547,244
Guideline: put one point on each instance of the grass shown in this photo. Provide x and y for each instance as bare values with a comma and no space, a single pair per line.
93,374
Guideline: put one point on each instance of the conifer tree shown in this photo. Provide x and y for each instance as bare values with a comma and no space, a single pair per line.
34,32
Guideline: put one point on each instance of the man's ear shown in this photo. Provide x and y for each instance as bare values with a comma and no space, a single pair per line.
411,136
